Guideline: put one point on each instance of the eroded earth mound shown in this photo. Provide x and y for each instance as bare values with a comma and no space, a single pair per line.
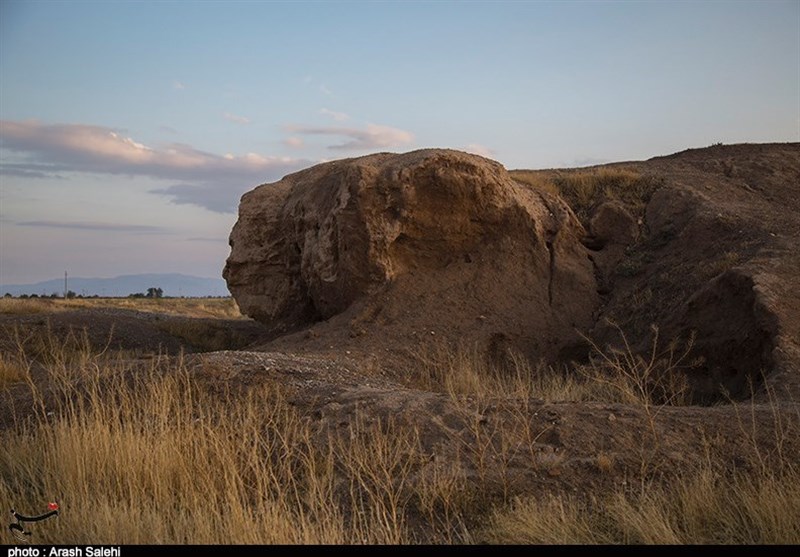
718,259
432,242
383,253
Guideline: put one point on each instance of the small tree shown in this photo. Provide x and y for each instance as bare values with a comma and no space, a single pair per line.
154,292
71,294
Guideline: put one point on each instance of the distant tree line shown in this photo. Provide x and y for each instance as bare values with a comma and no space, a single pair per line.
70,295
152,292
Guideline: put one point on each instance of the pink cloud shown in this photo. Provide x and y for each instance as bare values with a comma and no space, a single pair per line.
370,138
96,149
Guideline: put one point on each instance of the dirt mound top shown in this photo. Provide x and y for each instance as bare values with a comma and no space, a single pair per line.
432,242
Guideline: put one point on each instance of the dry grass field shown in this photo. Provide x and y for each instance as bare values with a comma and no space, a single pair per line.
151,451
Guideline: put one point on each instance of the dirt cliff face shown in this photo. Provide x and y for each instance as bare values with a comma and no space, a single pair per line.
444,242
717,260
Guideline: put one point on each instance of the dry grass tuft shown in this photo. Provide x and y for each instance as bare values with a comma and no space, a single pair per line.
12,370
703,507
147,454
584,189
613,374
654,379
466,370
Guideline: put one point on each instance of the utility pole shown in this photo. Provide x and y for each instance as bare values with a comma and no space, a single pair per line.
65,285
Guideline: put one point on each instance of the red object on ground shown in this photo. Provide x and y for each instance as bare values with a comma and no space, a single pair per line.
52,506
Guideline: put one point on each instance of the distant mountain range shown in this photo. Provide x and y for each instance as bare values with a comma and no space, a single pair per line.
172,284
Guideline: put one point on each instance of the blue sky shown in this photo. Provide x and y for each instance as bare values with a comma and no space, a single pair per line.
130,129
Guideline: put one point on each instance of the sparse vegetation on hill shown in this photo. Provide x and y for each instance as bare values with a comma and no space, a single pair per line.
610,375
584,189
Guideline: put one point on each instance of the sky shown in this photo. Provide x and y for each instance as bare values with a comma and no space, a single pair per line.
130,129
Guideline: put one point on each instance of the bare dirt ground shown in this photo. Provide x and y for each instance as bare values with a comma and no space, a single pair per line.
715,254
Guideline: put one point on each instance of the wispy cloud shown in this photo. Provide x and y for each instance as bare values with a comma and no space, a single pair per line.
32,170
102,226
294,142
371,137
214,197
338,116
217,181
478,149
311,81
236,119
178,85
